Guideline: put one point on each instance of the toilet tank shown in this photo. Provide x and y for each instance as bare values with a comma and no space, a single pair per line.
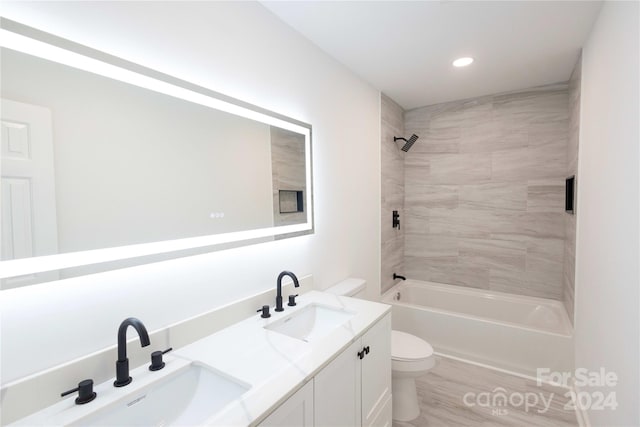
351,287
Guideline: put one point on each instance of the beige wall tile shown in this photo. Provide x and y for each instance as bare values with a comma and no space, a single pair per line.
446,271
463,223
492,254
430,246
572,169
438,140
416,220
494,195
545,195
430,195
288,173
459,168
545,255
484,192
548,225
509,225
392,189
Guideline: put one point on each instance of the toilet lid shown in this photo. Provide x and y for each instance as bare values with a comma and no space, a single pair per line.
409,347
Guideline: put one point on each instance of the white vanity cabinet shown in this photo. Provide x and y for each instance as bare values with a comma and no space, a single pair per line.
376,375
350,391
300,369
295,411
337,390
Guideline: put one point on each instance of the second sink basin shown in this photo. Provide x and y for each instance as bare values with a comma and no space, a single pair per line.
184,398
311,322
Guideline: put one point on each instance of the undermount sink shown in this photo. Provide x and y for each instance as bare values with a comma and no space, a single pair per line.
311,322
187,397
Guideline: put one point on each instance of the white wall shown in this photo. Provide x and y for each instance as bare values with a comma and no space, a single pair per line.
607,326
242,50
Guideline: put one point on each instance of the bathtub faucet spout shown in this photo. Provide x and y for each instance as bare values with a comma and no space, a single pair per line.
397,276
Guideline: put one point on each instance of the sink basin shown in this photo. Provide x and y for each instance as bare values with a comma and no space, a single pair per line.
187,397
311,322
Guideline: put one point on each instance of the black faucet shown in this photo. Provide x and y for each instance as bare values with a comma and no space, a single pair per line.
122,364
279,288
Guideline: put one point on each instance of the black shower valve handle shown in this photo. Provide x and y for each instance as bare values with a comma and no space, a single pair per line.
395,223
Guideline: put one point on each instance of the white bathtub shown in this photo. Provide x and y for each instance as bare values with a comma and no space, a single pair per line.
510,332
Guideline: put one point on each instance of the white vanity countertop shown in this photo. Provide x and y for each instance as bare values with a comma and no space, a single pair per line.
274,365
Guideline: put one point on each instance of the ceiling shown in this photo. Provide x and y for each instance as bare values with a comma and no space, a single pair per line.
405,48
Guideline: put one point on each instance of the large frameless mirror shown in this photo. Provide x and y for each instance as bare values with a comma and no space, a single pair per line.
104,160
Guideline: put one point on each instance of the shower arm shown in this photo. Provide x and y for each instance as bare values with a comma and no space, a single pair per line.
408,143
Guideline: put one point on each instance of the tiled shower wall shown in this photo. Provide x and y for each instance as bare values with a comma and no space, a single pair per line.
572,169
392,192
484,192
288,173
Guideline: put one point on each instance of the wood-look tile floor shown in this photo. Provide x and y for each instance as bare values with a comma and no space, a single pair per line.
442,399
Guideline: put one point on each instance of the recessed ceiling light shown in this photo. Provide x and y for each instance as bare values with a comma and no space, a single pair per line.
462,62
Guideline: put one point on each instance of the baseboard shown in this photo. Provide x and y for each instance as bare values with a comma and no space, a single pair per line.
498,369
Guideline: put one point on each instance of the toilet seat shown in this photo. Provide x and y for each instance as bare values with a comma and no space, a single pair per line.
407,348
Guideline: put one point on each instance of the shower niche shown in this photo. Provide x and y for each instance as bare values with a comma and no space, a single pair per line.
569,194
291,201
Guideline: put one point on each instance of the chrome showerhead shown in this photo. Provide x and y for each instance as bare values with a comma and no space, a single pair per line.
408,142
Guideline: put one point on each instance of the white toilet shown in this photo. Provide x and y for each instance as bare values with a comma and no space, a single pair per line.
411,357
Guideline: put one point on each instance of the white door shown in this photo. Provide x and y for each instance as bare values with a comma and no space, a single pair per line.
28,210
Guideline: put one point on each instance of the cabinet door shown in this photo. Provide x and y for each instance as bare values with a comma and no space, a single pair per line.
337,390
383,417
295,411
376,371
